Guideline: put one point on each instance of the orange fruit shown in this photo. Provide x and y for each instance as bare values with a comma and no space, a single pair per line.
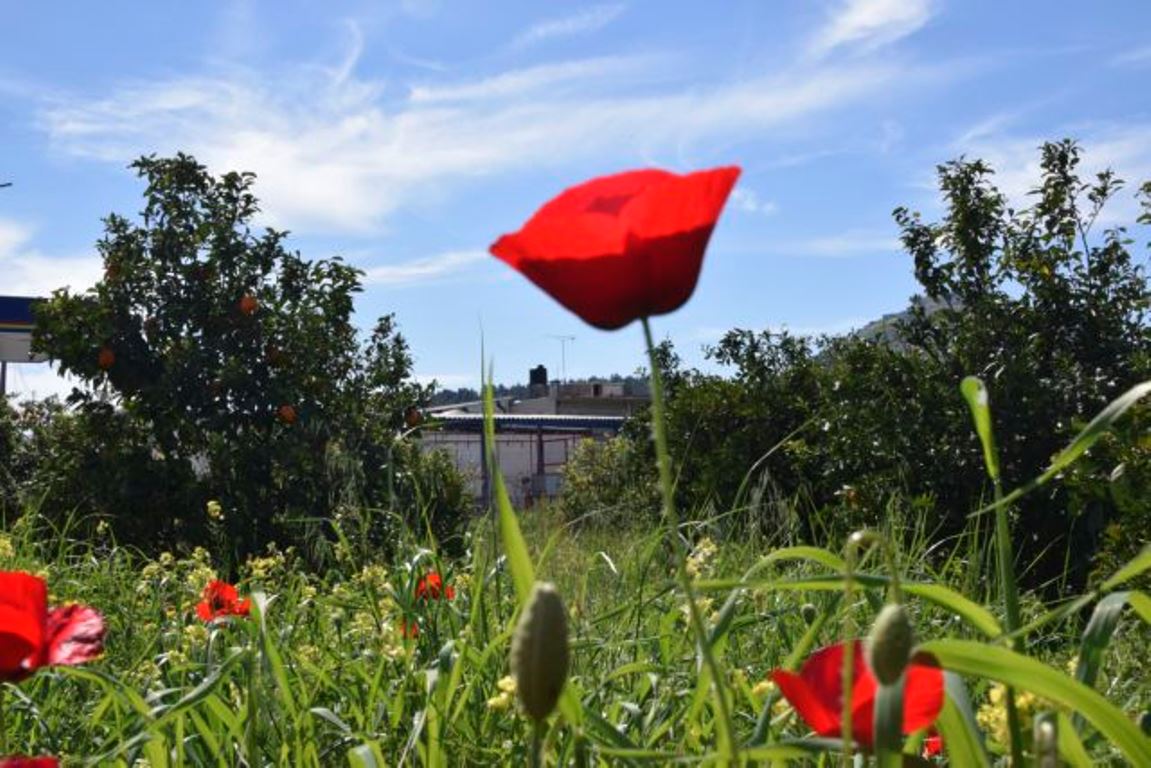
286,414
106,358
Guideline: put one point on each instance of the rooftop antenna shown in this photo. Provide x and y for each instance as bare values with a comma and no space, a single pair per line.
563,340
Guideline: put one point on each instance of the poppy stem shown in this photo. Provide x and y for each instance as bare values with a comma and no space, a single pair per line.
724,730
3,723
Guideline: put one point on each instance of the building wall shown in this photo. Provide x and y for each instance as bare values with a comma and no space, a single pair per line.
518,455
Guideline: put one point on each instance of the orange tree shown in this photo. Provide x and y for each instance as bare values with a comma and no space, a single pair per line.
234,361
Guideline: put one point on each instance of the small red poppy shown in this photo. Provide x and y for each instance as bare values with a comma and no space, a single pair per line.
431,587
32,636
29,762
817,694
409,629
286,414
248,304
621,247
221,599
933,745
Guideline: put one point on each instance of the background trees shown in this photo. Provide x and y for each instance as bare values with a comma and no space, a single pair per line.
1047,305
219,365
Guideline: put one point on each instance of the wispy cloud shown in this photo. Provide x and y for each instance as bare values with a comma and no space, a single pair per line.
28,272
866,25
340,154
1015,157
1134,57
853,242
748,201
423,270
545,77
588,20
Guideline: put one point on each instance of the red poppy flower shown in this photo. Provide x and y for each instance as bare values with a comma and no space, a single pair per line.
817,693
622,247
32,636
933,745
29,762
409,629
431,587
221,599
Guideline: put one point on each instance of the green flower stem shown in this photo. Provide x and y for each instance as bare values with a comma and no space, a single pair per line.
663,461
1010,591
3,724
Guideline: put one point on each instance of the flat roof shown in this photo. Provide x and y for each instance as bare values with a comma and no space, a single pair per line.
530,422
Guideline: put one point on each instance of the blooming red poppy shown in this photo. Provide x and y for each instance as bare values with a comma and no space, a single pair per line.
817,693
409,628
32,636
933,745
29,762
431,587
221,599
621,247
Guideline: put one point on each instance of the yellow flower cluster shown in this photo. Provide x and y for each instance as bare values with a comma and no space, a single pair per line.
701,555
992,716
503,699
215,511
7,551
265,568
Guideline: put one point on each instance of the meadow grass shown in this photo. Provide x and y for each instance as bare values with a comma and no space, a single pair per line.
325,672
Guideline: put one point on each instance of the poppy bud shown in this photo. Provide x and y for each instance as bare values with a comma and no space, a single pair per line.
540,652
889,644
106,358
809,612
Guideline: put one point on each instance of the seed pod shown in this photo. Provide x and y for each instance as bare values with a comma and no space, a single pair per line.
540,652
889,644
809,612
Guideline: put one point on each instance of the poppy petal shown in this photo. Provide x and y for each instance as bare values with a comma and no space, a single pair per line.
621,247
75,635
23,608
922,697
29,762
808,702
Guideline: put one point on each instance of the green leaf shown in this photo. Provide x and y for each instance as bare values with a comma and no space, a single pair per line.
1138,565
1024,673
519,561
957,726
1097,427
1097,635
975,393
1141,603
973,613
1070,747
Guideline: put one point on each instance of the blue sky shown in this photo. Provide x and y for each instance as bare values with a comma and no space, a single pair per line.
407,136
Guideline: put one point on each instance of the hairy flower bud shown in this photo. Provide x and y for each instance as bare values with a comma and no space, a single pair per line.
540,652
889,644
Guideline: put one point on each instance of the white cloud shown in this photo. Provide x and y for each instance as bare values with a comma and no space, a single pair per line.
588,20
748,201
849,243
869,24
422,270
1124,148
338,154
1134,58
28,272
523,82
